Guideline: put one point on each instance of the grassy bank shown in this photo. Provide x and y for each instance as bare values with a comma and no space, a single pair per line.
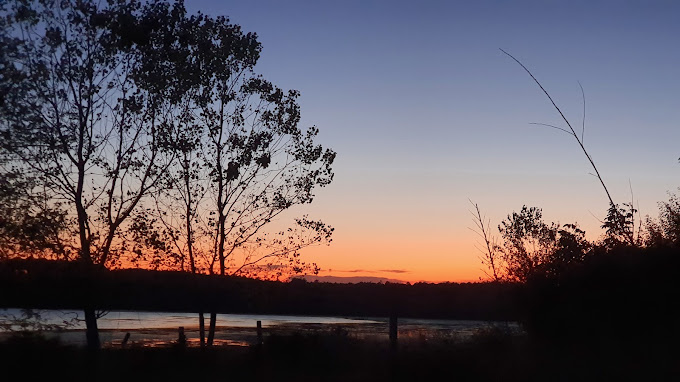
490,355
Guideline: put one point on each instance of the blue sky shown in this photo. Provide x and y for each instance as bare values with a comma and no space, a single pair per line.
426,112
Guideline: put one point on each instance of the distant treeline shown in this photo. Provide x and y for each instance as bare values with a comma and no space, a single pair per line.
66,285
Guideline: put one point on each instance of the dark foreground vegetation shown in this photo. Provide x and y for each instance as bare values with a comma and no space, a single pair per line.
491,355
317,357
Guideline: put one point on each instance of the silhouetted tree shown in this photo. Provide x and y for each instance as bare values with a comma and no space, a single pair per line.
239,159
533,248
177,238
619,226
260,164
89,96
665,231
105,103
571,249
30,227
528,242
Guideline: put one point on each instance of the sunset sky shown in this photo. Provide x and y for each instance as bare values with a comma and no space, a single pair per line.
425,113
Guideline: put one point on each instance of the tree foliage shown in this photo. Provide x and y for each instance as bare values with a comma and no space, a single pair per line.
29,226
665,231
531,247
79,118
619,226
239,160
143,131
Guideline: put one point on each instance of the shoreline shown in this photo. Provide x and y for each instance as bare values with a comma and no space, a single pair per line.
247,336
224,335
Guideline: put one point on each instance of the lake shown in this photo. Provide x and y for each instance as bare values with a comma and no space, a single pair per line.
161,328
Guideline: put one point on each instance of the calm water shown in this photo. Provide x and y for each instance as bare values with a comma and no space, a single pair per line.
157,328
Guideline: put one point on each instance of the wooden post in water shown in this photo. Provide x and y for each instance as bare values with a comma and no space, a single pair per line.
394,363
126,339
259,333
258,345
182,339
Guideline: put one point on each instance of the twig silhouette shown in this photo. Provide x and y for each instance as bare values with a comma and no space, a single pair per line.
490,255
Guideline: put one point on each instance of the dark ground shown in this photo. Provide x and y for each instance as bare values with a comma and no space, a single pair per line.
491,355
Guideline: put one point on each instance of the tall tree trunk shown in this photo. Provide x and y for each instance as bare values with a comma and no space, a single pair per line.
213,314
220,222
211,332
91,329
92,332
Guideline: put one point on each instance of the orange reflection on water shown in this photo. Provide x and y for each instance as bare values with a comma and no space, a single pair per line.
163,343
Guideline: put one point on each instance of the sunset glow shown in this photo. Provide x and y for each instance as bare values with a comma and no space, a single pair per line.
426,114
429,117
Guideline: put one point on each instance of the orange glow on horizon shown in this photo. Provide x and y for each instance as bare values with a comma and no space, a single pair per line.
434,262
380,262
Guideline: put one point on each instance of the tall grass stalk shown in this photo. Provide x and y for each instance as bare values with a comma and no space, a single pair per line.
629,235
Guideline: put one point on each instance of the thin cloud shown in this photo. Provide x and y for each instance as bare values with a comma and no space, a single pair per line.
350,270
367,271
350,279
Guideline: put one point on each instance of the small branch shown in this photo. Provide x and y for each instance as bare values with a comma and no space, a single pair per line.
553,126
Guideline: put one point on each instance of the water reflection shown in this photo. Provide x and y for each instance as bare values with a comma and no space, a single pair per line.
155,329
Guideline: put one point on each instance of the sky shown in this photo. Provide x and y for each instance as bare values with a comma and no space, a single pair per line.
427,114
